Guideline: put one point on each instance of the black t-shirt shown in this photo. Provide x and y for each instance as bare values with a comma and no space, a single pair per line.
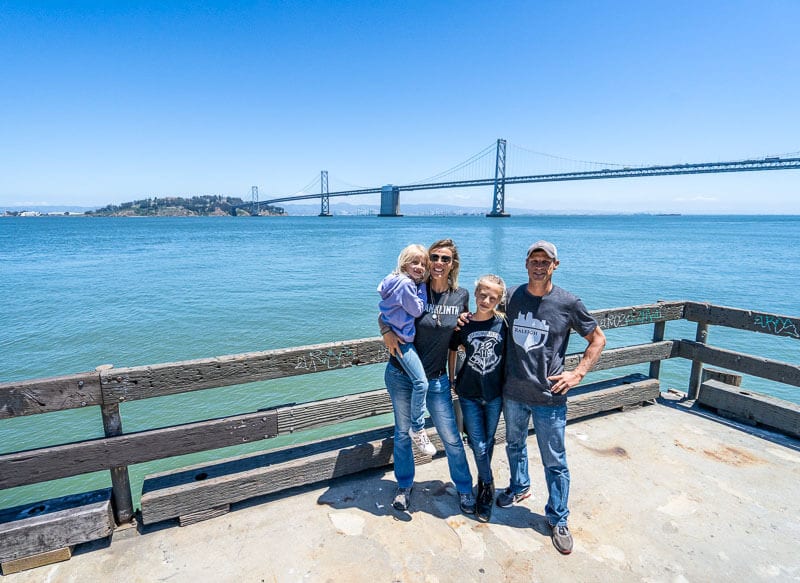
481,376
435,327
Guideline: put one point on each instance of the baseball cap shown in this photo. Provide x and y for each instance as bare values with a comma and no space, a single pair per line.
545,246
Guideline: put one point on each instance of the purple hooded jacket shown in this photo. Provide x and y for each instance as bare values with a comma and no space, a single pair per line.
402,301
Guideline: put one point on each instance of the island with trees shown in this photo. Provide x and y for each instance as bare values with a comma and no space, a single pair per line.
195,206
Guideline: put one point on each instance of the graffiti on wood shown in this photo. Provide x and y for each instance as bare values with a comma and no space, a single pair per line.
330,359
633,318
777,325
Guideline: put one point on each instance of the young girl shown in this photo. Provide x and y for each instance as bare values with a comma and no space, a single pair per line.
480,381
403,298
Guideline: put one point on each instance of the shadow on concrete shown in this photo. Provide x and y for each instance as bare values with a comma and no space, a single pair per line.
374,495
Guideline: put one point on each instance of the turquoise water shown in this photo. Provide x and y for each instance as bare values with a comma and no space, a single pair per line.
79,292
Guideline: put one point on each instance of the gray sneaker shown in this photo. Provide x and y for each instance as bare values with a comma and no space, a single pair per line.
402,499
466,501
562,539
508,498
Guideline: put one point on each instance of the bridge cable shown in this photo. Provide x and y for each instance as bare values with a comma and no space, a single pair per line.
352,186
307,188
489,149
554,157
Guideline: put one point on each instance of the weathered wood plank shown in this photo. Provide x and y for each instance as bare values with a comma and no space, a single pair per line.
774,324
133,383
193,490
766,368
627,355
611,395
244,463
187,519
145,382
128,384
54,524
335,410
638,315
72,459
729,378
49,463
735,402
35,561
30,397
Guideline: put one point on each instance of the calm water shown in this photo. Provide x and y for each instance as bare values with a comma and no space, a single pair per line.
80,292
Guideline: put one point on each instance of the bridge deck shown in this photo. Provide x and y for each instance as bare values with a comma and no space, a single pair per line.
661,493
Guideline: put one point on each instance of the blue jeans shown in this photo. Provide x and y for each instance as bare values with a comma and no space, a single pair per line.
412,365
480,423
440,406
549,423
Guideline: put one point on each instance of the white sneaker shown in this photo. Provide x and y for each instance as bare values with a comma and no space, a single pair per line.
422,441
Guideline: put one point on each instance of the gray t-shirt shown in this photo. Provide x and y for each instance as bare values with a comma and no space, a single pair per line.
538,334
435,327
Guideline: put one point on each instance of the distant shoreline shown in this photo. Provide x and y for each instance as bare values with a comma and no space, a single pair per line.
29,215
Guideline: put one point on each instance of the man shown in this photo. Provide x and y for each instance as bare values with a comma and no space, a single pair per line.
540,318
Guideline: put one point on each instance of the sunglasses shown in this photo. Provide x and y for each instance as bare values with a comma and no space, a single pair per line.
443,258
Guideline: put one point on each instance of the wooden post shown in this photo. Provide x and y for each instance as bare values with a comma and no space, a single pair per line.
658,335
697,366
120,480
729,378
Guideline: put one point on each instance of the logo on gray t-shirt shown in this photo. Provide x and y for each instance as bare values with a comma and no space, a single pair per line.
529,332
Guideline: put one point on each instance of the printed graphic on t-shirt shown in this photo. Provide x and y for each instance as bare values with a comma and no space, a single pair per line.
441,310
485,357
529,332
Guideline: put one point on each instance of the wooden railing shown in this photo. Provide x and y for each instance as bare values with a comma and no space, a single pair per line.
107,387
700,353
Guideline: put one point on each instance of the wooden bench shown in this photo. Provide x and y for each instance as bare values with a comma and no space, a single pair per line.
37,534
204,491
733,402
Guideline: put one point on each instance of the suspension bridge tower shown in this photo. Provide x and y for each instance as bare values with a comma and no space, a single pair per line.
254,201
498,201
325,209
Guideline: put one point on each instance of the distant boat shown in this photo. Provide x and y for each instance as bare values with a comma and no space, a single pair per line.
668,214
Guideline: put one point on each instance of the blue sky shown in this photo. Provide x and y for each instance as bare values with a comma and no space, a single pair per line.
105,102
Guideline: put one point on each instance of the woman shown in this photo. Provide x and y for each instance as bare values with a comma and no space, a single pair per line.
434,328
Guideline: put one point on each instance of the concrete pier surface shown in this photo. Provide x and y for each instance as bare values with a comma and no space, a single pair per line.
659,493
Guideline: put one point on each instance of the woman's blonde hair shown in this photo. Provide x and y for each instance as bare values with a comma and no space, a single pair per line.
495,280
408,254
452,278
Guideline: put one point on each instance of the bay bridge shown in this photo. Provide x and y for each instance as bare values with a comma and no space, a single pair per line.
390,194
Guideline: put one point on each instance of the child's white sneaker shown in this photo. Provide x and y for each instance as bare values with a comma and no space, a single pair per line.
422,441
